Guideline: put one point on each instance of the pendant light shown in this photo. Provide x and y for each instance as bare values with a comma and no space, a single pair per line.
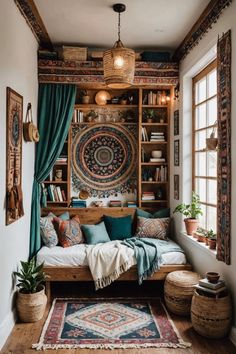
119,62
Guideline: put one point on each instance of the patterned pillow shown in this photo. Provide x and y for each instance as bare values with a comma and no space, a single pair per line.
68,231
47,230
153,228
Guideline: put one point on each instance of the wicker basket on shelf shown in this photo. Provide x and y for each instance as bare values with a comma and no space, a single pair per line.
178,291
211,317
74,53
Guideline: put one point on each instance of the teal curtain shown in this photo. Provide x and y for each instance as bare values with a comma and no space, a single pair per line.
55,110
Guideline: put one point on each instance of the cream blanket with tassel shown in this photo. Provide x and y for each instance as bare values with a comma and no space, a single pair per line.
107,261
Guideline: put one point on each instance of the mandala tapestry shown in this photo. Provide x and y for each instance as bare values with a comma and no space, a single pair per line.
104,159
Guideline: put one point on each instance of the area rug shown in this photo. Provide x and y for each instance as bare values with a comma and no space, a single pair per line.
108,324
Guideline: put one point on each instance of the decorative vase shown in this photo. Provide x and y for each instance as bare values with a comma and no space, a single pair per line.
191,225
31,307
85,99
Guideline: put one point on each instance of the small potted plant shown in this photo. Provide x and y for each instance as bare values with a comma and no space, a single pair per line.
31,299
200,234
191,212
212,141
91,116
149,114
211,239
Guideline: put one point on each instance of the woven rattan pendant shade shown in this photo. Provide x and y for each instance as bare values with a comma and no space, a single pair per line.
118,65
119,62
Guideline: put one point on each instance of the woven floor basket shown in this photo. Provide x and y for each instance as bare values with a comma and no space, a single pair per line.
211,317
31,307
178,291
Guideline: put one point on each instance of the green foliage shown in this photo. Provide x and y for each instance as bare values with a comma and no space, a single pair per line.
201,231
149,114
30,276
211,235
192,210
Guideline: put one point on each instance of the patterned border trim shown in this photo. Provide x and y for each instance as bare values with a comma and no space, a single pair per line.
30,12
224,147
146,73
209,16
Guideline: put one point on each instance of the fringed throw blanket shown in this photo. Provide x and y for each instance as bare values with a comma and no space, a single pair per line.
148,253
107,261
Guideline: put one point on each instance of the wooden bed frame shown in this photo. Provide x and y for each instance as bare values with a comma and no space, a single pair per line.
82,273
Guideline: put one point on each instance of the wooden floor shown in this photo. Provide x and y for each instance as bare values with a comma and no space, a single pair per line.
23,335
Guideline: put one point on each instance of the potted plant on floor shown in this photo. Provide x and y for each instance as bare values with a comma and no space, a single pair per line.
211,239
191,212
31,299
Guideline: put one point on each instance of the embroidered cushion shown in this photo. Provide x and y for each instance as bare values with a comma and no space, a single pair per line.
95,233
118,228
153,228
162,213
47,230
68,231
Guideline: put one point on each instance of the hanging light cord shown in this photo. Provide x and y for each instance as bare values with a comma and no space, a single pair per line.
119,27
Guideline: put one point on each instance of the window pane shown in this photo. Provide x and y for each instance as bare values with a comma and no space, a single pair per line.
212,163
202,218
200,186
211,218
200,140
200,91
200,163
212,192
212,111
200,116
212,84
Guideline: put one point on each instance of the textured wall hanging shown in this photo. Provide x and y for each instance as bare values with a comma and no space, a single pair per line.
224,147
104,159
14,203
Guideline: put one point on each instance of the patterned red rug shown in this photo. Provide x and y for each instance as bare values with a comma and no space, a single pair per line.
107,323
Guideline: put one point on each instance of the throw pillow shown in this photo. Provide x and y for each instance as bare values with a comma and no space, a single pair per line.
95,233
162,213
68,231
153,228
47,230
118,228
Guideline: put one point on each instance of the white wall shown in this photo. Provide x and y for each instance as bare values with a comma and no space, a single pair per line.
200,55
18,70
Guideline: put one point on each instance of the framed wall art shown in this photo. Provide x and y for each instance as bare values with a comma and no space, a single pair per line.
176,152
176,187
176,122
14,198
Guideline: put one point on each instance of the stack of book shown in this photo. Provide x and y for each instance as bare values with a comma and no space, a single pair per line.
206,288
144,134
78,116
61,159
115,203
157,136
161,174
157,159
55,193
148,196
131,204
77,203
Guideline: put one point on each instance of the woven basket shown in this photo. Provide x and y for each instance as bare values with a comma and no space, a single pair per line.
211,317
178,291
74,53
31,307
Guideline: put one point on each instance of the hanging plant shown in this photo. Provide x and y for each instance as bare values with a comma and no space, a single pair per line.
212,142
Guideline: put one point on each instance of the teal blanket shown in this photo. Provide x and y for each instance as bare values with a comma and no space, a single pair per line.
148,253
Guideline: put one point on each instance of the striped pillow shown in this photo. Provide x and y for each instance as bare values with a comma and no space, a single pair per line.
152,228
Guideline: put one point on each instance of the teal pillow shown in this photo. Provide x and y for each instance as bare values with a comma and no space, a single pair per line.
118,228
162,213
95,233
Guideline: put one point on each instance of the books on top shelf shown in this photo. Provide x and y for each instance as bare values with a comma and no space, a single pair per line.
55,194
161,174
78,116
148,196
61,159
207,287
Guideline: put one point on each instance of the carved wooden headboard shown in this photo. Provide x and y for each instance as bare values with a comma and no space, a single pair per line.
91,215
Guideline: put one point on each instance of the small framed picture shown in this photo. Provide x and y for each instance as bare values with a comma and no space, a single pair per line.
176,187
176,152
176,122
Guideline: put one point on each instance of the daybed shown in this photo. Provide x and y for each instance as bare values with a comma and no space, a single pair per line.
69,264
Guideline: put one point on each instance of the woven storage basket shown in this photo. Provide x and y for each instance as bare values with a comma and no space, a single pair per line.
31,307
211,317
178,291
74,53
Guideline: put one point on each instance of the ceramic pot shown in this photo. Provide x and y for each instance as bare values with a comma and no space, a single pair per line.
85,99
212,244
191,225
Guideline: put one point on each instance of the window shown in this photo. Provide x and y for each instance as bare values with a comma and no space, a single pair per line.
205,161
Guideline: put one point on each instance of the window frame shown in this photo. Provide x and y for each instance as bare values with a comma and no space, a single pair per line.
203,73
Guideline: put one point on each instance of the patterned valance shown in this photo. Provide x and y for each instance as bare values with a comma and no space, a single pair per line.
224,147
91,72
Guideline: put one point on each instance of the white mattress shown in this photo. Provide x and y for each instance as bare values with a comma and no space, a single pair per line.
76,256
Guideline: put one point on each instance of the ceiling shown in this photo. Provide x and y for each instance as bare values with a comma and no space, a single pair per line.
146,24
